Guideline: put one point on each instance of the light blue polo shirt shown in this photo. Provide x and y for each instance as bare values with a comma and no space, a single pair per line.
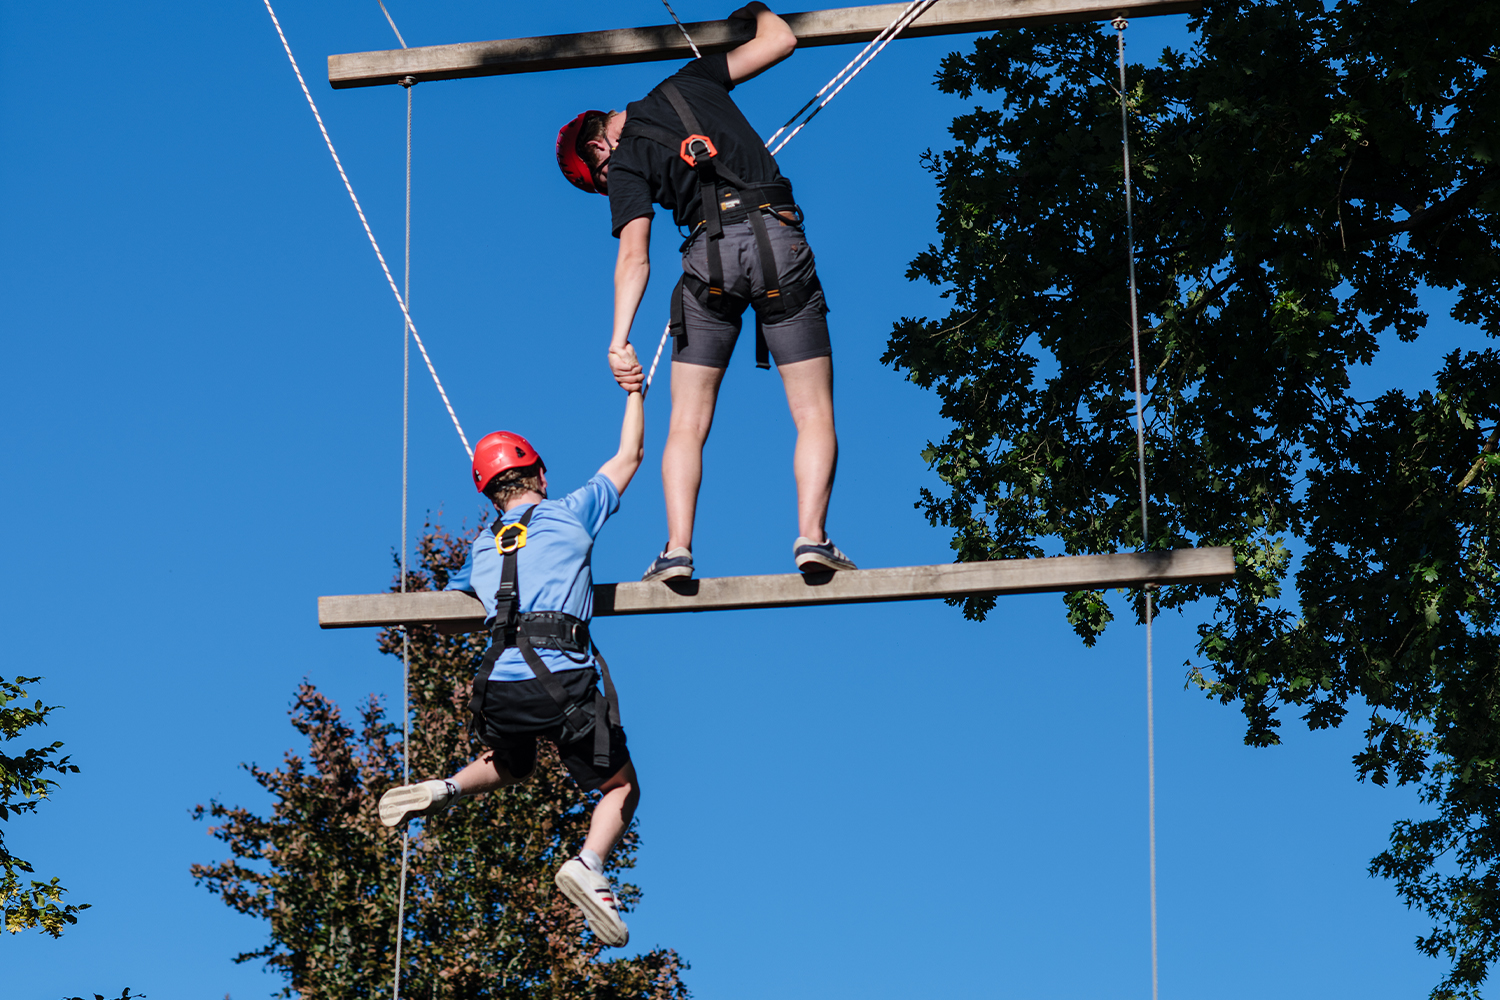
553,569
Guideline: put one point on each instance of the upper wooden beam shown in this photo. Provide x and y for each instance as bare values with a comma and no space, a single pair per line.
456,611
665,41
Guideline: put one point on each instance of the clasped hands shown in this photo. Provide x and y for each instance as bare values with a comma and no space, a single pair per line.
626,368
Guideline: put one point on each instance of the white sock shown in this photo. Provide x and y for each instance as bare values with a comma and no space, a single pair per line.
594,862
453,790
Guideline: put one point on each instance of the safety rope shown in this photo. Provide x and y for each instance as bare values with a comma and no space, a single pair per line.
696,53
656,360
392,23
400,300
1120,24
406,331
913,10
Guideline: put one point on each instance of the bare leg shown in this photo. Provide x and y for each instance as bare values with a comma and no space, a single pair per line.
809,395
613,812
485,774
695,390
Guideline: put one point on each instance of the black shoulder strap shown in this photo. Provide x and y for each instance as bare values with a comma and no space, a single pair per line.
653,132
680,105
508,596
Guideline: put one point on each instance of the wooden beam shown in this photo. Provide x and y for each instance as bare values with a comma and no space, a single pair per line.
456,611
631,45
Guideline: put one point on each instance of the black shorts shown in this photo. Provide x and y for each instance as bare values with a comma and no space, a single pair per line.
518,713
710,336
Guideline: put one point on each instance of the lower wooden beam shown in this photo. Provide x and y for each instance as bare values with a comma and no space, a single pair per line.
664,41
455,611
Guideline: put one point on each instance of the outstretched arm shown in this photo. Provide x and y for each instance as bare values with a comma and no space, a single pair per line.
632,272
622,468
772,43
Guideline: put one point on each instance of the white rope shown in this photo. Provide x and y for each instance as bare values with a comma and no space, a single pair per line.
656,360
913,11
400,300
840,73
696,53
1120,24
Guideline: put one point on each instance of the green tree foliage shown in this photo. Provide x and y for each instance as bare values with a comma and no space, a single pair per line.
1303,171
23,784
483,919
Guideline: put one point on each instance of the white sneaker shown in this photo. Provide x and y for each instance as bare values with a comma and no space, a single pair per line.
592,893
427,798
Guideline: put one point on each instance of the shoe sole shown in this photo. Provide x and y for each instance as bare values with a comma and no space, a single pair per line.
809,563
601,920
400,804
671,573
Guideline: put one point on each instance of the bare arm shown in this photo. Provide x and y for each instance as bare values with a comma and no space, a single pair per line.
632,272
622,468
772,43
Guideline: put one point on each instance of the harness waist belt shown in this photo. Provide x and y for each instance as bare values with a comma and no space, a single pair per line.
547,630
734,205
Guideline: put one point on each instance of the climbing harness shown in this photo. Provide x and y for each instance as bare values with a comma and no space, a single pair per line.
727,199
512,628
1120,24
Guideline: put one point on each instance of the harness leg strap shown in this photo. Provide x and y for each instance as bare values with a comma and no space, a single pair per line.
606,711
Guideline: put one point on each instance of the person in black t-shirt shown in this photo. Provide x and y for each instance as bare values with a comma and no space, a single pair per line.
685,139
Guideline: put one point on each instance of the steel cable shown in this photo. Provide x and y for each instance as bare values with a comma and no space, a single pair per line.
1120,24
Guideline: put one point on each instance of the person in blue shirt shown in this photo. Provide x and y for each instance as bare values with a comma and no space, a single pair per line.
539,677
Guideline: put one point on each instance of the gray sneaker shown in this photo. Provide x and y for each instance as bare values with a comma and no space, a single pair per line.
592,893
813,557
670,565
426,798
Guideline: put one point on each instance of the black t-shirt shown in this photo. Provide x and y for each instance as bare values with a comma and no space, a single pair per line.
643,172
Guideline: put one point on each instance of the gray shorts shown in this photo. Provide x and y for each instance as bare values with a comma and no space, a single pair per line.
710,336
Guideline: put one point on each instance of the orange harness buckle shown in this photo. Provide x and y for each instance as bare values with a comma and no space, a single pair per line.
695,146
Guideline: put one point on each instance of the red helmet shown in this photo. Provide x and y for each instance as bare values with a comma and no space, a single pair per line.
498,452
574,168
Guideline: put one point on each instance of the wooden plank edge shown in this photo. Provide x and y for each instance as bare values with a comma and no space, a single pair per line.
345,73
1219,566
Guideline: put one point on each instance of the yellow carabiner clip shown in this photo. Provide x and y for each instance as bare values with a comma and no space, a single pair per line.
511,538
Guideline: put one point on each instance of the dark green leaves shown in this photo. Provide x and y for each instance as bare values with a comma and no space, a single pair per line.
1300,175
23,785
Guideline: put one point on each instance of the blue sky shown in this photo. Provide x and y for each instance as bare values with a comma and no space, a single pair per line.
202,403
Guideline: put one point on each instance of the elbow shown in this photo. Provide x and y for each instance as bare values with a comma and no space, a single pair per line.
783,43
635,259
633,267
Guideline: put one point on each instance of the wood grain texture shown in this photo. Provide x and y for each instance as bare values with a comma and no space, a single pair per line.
456,611
840,26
